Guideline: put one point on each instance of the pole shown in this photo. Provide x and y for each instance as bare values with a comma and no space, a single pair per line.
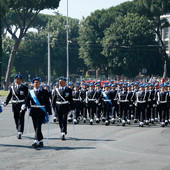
0,46
67,46
49,68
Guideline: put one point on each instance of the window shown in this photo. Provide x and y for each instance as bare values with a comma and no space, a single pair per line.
166,33
166,45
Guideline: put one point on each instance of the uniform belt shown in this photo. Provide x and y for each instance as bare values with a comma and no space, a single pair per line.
76,99
162,101
107,100
37,106
92,100
64,102
123,101
141,102
18,101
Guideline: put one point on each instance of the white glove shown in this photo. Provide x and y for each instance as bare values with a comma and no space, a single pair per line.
73,112
23,107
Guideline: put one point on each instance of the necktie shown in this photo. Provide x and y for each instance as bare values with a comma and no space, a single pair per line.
36,92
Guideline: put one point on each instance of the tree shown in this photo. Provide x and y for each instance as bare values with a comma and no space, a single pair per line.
32,54
91,34
129,45
153,9
23,16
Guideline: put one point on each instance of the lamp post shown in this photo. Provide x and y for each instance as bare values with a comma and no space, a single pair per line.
67,46
49,66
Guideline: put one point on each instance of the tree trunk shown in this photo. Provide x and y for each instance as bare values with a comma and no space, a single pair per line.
97,73
11,62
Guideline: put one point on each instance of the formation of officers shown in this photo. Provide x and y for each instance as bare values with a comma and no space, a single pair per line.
143,103
109,103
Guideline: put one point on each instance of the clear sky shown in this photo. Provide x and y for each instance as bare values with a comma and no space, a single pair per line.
83,8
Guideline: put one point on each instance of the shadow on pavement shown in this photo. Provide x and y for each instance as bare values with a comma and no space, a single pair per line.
47,147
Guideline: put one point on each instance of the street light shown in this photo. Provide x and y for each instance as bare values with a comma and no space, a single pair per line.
67,46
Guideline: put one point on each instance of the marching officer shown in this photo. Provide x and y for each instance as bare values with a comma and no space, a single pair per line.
83,93
141,101
123,100
107,97
162,104
91,102
39,109
98,102
62,99
115,104
77,103
18,93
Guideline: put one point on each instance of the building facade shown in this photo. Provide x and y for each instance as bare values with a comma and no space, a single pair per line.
166,34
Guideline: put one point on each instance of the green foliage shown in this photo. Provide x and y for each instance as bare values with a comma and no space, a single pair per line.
90,37
129,44
33,53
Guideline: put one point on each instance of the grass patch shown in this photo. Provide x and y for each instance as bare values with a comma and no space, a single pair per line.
3,93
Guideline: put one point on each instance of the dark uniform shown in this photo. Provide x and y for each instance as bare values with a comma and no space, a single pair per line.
18,95
83,92
62,99
124,103
77,104
91,103
162,105
141,100
98,97
37,114
107,97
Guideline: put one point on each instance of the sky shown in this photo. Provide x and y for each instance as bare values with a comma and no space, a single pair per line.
82,8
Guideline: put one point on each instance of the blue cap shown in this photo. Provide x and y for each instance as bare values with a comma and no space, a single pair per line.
85,84
107,85
113,85
46,85
91,84
162,85
124,86
156,84
18,76
63,78
83,80
135,84
36,78
78,82
142,86
76,85
70,84
97,84
129,85
56,84
105,82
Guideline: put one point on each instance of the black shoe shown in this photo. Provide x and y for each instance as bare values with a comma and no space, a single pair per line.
123,124
35,145
107,123
19,136
54,120
135,121
97,121
63,137
41,144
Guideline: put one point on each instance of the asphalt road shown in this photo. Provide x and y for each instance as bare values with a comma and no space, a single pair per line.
97,147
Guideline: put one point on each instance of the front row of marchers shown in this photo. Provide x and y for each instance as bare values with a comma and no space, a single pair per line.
143,103
37,101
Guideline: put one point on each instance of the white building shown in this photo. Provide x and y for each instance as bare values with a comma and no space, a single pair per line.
166,34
